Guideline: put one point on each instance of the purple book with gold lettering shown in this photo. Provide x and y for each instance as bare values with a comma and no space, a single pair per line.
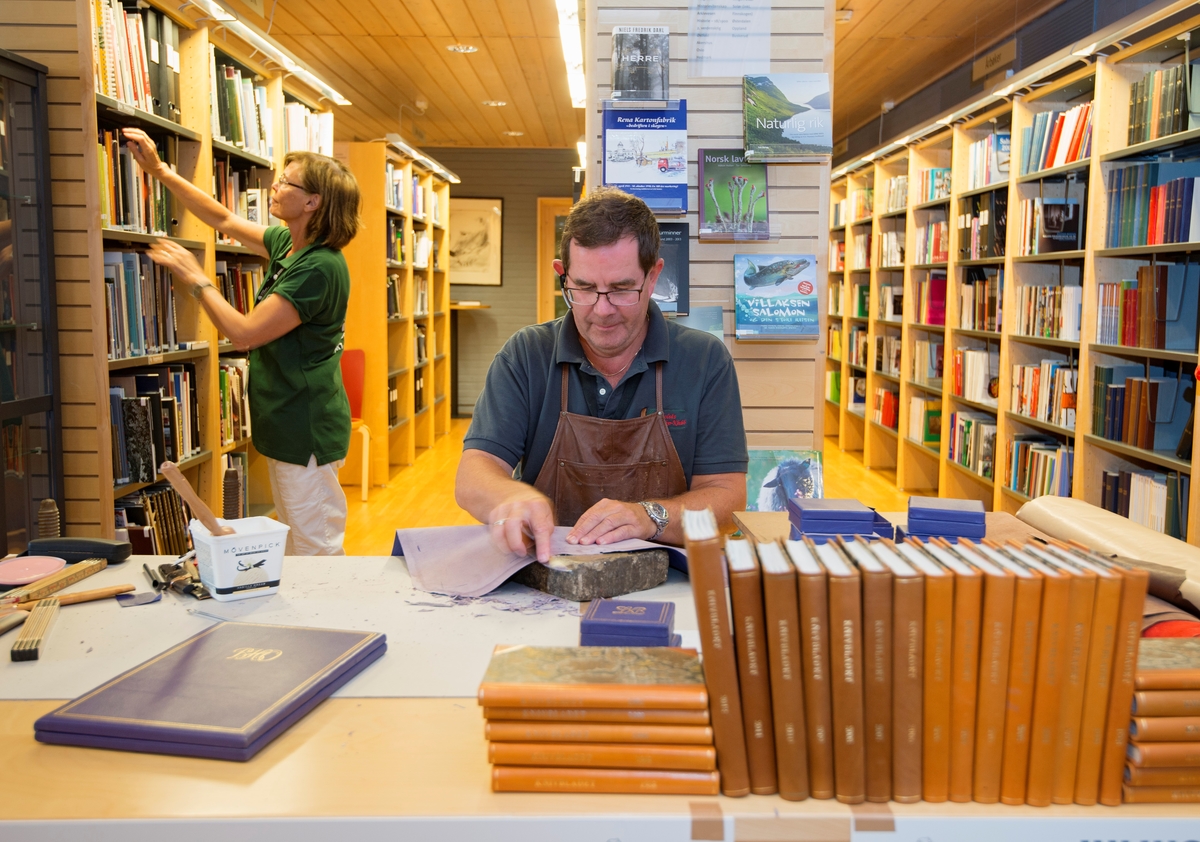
223,693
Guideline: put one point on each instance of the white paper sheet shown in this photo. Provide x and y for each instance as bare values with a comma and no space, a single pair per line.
462,561
729,37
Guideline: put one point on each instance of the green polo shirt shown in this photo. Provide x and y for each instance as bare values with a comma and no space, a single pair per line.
298,406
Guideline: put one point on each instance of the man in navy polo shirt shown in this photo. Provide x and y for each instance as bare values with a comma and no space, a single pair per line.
612,419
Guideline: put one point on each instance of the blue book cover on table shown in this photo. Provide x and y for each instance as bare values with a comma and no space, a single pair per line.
224,693
944,510
625,617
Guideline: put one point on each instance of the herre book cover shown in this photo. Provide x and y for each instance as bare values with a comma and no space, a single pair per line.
223,693
641,67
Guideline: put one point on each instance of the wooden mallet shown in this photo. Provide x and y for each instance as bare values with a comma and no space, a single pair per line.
202,512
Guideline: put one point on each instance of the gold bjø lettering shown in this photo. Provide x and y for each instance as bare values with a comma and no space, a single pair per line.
249,653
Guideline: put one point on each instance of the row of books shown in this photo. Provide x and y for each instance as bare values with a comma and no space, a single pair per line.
973,442
887,354
395,290
887,407
859,337
1152,203
987,160
931,298
233,382
833,386
836,292
1037,465
1154,499
139,306
130,200
393,401
862,203
933,242
925,420
892,249
232,188
1050,225
981,299
306,130
1145,410
1052,311
1157,309
395,240
861,301
419,397
239,283
135,57
973,374
1057,138
238,107
1161,103
839,213
154,416
421,348
1045,392
423,248
982,225
1164,725
860,255
891,302
895,194
420,297
920,706
858,395
837,255
834,349
928,361
933,184
155,521
394,185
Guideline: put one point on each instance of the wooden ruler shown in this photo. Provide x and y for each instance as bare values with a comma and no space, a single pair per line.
69,575
33,636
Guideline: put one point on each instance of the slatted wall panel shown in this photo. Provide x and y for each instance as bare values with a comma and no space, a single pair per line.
55,33
779,381
519,177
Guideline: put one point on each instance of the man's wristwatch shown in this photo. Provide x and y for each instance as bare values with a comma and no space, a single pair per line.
657,513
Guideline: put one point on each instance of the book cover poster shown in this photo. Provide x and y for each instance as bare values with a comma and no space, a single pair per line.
645,153
775,476
640,62
1059,230
776,296
733,195
787,115
671,290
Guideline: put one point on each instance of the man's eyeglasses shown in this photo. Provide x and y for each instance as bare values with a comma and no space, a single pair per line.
616,297
283,182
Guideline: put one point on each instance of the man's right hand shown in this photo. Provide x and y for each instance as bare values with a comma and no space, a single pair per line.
523,523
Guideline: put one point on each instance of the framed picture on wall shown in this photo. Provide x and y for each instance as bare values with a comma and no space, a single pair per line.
475,241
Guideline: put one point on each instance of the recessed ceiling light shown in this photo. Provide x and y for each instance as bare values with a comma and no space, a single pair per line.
514,134
462,48
494,103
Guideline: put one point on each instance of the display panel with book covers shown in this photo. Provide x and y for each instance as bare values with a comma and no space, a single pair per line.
641,66
732,195
776,296
645,153
671,289
787,115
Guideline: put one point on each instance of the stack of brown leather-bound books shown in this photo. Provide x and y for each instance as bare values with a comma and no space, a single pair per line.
874,671
1164,752
598,719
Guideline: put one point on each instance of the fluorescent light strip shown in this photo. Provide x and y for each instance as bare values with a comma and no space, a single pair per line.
572,47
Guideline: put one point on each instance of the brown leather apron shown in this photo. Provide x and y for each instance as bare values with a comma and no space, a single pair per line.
594,458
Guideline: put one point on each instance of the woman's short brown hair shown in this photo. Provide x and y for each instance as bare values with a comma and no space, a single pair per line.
336,221
606,215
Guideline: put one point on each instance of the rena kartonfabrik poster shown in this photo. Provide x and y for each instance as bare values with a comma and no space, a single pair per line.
645,153
776,296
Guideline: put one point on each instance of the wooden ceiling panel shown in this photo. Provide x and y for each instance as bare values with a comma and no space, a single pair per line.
534,115
469,21
427,16
399,21
517,18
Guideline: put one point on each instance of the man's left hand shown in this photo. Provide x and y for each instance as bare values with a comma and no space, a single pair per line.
610,521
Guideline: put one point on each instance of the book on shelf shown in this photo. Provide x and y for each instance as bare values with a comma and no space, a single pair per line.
239,283
858,395
418,197
891,302
1045,391
130,199
988,160
859,345
641,66
895,195
239,110
1157,309
931,298
862,300
139,306
838,217
1149,412
982,223
973,442
860,244
1057,138
307,130
393,401
1152,203
862,203
933,184
925,420
836,297
834,338
1049,310
974,374
892,249
632,781
231,188
1036,465
1050,225
928,361
733,198
1159,103
887,354
981,298
1170,701
135,57
156,520
833,386
812,594
394,291
395,240
233,389
837,255
933,242
887,407
1155,499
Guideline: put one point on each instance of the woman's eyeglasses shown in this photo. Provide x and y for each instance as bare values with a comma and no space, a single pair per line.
283,182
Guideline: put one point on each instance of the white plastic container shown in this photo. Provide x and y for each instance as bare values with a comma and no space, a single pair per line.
245,564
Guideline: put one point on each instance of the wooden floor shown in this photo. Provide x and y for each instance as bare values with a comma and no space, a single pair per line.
423,494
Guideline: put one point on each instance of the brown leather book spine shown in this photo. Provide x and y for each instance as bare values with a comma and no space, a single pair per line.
633,781
1022,671
939,642
746,593
1167,776
1070,717
1166,703
1147,402
1162,755
642,716
1168,679
1161,795
604,755
814,644
877,683
1097,688
706,569
995,640
1053,644
1133,393
787,693
846,687
964,683
597,732
908,681
618,696
1129,630
1165,729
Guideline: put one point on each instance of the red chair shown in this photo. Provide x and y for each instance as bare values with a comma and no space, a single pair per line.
354,367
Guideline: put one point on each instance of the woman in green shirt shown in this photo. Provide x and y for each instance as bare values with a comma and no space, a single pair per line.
300,419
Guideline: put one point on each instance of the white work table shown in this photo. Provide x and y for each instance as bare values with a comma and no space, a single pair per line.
399,752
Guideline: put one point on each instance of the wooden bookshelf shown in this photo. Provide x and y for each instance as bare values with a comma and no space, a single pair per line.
920,469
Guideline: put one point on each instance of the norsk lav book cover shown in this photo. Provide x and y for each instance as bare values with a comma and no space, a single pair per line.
733,196
787,115
776,296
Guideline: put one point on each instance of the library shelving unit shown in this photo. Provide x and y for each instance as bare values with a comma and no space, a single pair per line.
399,312
835,315
1048,296
196,154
